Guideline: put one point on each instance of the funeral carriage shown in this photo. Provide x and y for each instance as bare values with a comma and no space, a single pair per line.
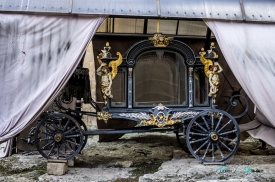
162,85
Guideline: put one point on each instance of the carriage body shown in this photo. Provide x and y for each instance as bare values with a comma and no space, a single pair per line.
154,82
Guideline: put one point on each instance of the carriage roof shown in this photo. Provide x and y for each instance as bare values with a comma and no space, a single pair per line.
238,10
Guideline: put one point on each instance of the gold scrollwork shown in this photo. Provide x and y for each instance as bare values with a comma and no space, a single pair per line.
160,40
164,121
206,62
104,116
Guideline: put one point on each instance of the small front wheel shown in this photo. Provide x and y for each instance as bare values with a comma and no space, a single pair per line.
213,136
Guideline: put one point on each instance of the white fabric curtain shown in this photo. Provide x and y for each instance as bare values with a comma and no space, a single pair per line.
37,55
249,51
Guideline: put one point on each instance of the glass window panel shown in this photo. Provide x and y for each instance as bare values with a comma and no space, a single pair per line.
160,77
166,26
198,28
118,89
200,88
127,25
103,27
106,26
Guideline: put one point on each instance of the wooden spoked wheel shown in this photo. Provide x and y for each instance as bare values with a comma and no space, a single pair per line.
58,136
213,136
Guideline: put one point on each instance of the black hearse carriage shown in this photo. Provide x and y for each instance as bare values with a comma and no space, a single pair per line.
160,84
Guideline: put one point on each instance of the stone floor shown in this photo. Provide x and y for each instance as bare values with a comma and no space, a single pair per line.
144,157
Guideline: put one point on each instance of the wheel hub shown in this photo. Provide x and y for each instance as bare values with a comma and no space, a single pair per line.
58,137
214,136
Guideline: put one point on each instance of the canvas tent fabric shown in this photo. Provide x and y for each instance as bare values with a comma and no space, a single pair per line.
248,49
38,54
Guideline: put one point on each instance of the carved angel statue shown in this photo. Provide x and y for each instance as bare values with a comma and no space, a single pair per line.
108,73
214,78
211,70
106,79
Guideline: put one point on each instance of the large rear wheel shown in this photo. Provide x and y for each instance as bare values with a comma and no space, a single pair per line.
213,136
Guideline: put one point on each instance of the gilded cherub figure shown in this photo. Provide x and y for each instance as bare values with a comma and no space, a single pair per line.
107,71
211,70
214,78
106,79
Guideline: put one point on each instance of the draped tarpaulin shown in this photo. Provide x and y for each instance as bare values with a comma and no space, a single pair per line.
37,55
249,51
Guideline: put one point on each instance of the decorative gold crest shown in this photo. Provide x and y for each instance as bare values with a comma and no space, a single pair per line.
160,40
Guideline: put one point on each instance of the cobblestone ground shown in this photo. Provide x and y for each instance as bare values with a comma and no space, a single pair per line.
144,157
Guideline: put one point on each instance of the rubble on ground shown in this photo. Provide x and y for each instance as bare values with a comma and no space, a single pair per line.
144,157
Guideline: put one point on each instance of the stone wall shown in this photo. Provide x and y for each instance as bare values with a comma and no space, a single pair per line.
90,64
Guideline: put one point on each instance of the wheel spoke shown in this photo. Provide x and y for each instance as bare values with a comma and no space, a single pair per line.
199,134
212,121
219,122
51,150
227,139
225,125
225,133
46,139
202,139
67,144
65,151
207,148
201,146
72,136
197,124
59,123
48,144
226,146
205,123
52,125
46,133
66,125
220,151
72,142
58,151
70,130
213,152
62,147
